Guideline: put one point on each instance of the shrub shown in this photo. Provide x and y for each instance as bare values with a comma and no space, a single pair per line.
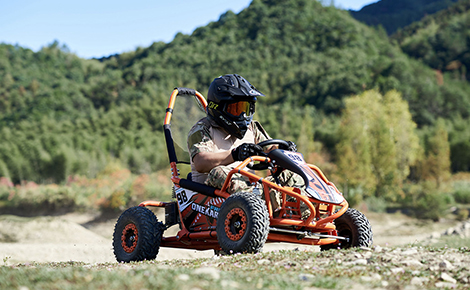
354,195
376,204
31,198
425,201
462,195
461,187
432,205
114,190
462,214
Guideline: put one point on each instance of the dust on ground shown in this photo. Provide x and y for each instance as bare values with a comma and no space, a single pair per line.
88,237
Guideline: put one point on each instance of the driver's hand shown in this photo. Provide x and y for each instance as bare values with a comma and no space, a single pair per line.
246,150
292,146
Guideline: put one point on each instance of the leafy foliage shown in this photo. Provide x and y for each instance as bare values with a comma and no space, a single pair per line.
114,189
62,116
395,14
378,145
459,139
436,164
441,41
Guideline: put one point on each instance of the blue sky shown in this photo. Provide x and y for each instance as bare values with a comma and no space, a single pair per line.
96,28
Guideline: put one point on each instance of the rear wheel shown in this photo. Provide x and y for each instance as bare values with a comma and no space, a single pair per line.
243,223
355,226
137,235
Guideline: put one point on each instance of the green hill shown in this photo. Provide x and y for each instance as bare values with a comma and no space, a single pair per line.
395,14
441,40
62,115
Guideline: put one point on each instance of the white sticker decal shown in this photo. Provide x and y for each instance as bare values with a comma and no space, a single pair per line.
211,211
183,196
296,157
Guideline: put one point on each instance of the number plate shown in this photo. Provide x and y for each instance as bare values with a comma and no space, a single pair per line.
183,196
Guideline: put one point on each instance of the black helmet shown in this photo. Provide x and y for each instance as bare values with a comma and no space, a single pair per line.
231,103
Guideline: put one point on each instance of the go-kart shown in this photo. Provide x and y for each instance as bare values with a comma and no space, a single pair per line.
212,219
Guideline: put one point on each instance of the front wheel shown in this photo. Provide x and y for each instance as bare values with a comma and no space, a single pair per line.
137,235
355,226
243,224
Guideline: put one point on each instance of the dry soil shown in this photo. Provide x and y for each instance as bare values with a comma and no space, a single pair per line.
88,238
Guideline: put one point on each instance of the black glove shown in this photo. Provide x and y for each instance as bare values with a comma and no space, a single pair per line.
246,150
292,146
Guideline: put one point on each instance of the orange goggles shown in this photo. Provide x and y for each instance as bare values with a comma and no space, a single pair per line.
238,108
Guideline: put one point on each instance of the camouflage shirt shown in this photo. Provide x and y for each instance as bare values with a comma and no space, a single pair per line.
201,136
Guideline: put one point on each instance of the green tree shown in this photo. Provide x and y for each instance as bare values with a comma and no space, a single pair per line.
353,151
436,166
75,114
396,14
378,143
403,133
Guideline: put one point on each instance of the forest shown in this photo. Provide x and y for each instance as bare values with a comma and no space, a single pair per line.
393,15
386,117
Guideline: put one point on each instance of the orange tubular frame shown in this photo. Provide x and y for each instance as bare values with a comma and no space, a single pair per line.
320,225
205,240
171,104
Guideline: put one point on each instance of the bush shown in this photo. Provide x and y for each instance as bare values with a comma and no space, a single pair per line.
461,187
376,204
462,195
432,205
425,201
462,214
115,189
354,195
156,186
31,198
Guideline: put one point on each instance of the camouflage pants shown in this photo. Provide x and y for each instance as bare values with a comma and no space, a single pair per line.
217,176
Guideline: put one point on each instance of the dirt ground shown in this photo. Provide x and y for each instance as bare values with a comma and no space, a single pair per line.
88,238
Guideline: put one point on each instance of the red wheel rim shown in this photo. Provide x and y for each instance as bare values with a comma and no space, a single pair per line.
235,224
129,238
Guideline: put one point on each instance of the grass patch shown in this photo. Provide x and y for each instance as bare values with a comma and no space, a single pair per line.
452,242
153,275
292,269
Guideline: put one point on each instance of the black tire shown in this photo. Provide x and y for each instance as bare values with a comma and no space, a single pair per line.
355,226
243,224
137,235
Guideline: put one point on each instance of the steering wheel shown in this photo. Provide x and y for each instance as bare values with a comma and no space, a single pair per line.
282,143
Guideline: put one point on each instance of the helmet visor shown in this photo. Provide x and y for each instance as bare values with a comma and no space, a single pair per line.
238,108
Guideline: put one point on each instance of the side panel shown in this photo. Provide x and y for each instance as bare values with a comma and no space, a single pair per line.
199,211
